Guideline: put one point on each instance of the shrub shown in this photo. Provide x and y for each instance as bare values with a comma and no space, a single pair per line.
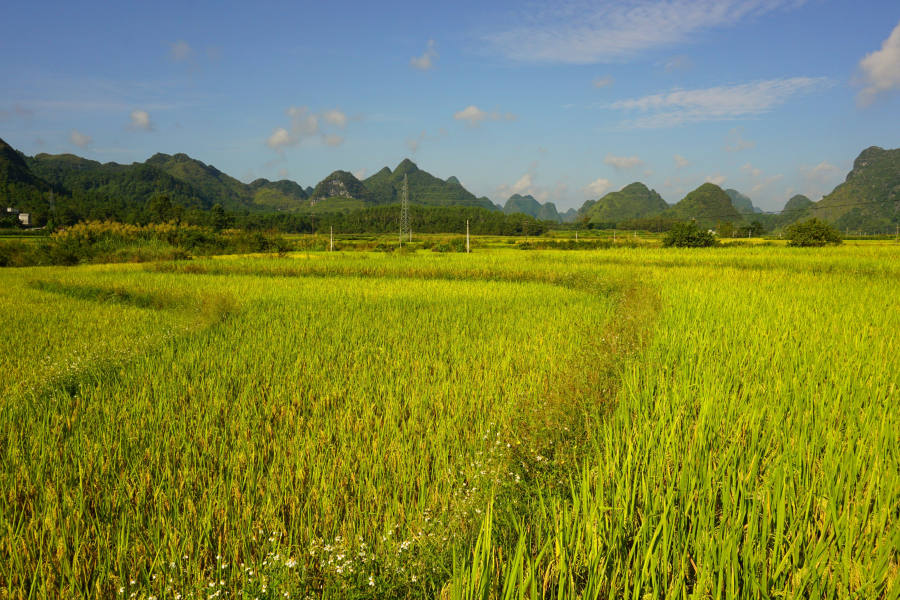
813,233
686,235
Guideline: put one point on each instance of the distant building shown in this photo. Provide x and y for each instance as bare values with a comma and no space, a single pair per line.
24,218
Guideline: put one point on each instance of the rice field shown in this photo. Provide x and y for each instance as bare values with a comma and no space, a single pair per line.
634,422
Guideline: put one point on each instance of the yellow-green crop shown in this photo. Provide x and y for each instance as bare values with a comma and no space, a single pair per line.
511,424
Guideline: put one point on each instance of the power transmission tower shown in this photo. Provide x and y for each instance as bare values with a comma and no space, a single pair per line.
404,213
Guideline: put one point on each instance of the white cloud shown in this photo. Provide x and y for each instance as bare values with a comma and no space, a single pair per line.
675,63
748,168
763,184
759,183
681,162
724,102
678,184
360,174
82,140
649,173
597,188
426,61
880,70
522,185
140,119
284,173
303,122
474,116
623,163
736,142
249,176
818,179
280,138
179,51
526,186
582,32
717,179
602,82
335,117
306,125
413,142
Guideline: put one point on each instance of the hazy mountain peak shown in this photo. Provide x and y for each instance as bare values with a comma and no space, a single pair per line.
741,202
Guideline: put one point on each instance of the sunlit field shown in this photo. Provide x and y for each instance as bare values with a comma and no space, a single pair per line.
627,422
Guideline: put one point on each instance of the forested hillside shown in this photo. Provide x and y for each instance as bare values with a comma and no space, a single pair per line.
635,201
84,189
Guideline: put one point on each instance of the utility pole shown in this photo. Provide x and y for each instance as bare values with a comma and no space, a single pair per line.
332,238
467,237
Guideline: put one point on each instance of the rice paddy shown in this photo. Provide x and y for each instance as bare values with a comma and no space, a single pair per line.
631,422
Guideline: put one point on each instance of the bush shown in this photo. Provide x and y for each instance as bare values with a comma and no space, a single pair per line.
686,235
813,233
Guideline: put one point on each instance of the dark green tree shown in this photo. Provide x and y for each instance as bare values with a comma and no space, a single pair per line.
160,209
813,233
757,229
686,235
218,220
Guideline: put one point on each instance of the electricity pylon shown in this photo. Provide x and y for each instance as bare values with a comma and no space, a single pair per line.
405,229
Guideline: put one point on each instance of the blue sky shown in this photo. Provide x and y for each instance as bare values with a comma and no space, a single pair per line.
563,100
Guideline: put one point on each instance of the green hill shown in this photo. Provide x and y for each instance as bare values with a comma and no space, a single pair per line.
14,171
341,184
548,212
526,205
284,195
742,203
707,204
870,196
186,181
635,201
797,203
424,188
569,216
575,216
208,180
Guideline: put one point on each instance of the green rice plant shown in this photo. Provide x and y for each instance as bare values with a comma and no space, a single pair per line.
363,420
633,421
753,451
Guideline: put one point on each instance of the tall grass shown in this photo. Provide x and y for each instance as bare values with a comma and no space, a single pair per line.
630,422
360,420
754,447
